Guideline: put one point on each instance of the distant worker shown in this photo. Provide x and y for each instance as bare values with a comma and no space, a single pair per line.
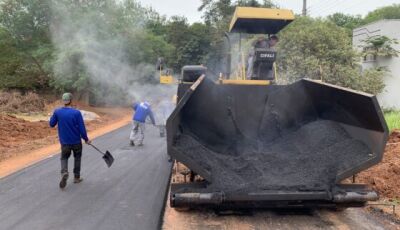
160,63
163,110
71,129
142,111
272,42
260,43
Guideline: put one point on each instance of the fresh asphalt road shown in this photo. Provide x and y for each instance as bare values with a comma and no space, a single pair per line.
129,195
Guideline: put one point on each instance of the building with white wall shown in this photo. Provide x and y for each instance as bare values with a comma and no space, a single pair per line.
390,97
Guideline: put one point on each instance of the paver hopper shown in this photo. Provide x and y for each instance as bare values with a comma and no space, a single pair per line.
274,145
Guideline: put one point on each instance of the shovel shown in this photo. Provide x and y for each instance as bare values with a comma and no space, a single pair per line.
108,158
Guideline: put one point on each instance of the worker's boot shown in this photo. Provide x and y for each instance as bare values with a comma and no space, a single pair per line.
77,180
132,143
140,144
63,182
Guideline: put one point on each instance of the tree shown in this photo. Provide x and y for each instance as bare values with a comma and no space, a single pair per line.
105,45
198,44
191,42
349,22
380,46
71,72
319,49
177,31
222,10
387,12
216,10
256,3
27,22
156,23
10,61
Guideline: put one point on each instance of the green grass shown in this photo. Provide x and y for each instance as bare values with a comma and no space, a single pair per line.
393,120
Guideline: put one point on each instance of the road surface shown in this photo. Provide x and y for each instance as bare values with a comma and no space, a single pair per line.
129,195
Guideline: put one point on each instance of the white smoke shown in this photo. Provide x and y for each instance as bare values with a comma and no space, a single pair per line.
103,54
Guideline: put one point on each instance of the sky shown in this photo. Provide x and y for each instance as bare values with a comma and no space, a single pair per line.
316,8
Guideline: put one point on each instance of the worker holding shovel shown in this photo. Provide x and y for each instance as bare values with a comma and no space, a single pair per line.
142,110
71,129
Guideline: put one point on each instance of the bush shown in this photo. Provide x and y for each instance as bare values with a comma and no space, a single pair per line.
392,118
319,49
15,102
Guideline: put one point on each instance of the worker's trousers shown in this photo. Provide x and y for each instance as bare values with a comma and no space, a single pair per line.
249,72
66,153
137,132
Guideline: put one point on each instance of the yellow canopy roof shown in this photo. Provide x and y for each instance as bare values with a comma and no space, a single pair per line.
253,20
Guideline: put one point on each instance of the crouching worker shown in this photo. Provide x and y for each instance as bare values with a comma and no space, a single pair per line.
142,110
71,129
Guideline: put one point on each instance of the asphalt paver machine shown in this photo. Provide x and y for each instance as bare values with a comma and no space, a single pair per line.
263,145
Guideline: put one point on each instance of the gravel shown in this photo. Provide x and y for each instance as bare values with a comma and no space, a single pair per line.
304,159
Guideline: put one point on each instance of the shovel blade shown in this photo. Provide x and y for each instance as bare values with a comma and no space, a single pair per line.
108,158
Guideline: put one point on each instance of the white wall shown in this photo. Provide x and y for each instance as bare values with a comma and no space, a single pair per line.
390,98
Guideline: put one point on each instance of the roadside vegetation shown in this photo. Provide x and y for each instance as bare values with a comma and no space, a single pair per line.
15,102
392,118
319,49
108,47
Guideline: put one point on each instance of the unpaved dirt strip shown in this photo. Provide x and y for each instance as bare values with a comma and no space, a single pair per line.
129,195
350,219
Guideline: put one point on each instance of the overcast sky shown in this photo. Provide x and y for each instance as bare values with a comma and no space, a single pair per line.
188,8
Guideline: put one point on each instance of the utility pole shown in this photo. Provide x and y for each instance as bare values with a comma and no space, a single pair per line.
304,8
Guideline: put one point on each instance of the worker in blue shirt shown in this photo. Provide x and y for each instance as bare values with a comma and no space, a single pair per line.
71,129
142,111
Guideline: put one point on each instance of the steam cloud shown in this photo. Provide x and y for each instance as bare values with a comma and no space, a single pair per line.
103,55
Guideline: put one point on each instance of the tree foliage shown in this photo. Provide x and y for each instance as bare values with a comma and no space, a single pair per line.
351,22
319,49
347,21
216,11
191,42
87,45
387,12
46,43
27,24
35,58
380,46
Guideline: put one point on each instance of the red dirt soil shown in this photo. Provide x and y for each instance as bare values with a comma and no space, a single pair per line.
16,132
18,136
385,177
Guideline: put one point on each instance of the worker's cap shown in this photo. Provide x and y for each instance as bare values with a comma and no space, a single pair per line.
261,38
67,97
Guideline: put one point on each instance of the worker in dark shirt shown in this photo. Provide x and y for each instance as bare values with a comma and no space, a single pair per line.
260,43
71,129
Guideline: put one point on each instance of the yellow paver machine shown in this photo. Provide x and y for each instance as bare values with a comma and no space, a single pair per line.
262,145
258,66
165,73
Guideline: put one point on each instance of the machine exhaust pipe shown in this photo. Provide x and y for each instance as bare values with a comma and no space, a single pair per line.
190,199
